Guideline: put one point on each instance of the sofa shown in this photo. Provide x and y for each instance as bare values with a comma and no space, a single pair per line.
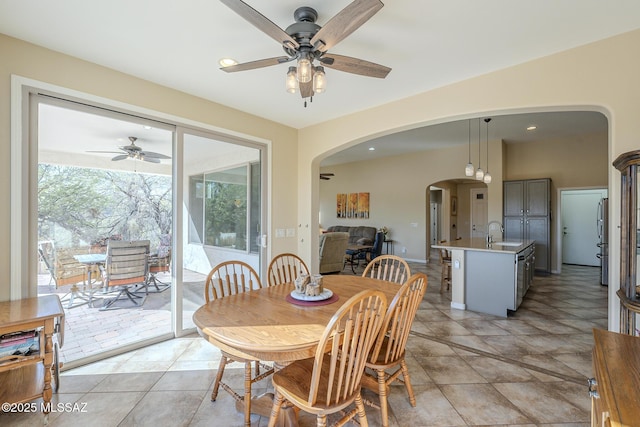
358,235
332,249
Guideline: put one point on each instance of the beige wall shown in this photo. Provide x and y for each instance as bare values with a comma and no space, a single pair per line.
601,77
53,68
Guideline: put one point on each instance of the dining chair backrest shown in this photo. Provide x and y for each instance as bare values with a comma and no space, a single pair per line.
285,268
391,268
126,262
391,342
230,278
343,348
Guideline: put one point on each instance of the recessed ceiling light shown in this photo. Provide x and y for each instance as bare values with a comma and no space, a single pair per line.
147,127
227,62
372,148
531,128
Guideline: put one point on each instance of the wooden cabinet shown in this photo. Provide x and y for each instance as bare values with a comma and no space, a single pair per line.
629,166
24,378
615,397
527,215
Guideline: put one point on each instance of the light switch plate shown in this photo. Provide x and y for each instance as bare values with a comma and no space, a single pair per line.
291,232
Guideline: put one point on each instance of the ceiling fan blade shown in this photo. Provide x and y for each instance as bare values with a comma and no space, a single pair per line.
153,155
306,89
151,159
120,157
352,65
261,22
256,64
344,23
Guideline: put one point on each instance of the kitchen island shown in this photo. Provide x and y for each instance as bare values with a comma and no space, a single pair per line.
492,277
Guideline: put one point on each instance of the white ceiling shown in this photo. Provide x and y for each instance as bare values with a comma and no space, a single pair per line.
427,43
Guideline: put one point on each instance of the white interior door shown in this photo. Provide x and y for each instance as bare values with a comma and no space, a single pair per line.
579,226
479,212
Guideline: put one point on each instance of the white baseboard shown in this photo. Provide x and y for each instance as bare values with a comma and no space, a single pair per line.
458,306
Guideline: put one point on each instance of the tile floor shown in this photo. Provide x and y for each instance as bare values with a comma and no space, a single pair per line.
467,369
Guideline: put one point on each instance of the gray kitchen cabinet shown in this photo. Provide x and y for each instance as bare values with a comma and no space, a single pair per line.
527,215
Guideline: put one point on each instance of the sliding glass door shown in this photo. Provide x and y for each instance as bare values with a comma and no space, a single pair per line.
103,177
222,190
196,196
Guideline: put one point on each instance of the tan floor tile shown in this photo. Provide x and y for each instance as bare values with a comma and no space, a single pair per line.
432,409
142,381
494,370
450,370
542,402
481,404
185,380
154,411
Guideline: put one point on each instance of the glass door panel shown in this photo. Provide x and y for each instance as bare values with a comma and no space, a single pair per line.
102,177
221,210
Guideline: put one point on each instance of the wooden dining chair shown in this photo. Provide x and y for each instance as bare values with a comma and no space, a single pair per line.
445,270
330,381
389,350
285,268
225,279
391,268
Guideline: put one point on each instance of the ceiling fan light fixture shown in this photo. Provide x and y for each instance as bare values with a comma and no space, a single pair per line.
319,80
304,70
291,82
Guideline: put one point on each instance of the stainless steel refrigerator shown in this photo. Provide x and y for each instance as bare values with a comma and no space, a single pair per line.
602,224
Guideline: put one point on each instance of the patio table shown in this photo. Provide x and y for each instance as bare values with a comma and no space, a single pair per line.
89,260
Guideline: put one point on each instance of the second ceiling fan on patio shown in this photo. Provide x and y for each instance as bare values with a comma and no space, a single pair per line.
133,151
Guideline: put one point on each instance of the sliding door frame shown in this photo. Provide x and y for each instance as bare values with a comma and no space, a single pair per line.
24,160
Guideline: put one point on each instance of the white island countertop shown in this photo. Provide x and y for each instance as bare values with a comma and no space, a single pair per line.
480,244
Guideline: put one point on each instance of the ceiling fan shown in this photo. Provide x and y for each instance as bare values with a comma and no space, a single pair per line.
133,151
305,41
326,176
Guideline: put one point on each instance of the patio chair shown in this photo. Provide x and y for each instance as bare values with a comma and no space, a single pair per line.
66,270
159,262
225,279
330,381
391,268
285,268
389,350
127,264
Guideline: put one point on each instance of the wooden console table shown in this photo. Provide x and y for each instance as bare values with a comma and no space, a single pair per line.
615,400
25,378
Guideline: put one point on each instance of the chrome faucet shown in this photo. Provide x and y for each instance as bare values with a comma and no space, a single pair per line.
489,235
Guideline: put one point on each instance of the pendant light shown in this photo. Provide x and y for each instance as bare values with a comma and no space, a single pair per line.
469,169
479,171
487,176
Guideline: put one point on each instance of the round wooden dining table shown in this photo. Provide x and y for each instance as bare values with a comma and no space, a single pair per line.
265,324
